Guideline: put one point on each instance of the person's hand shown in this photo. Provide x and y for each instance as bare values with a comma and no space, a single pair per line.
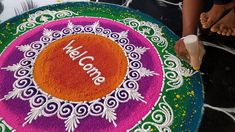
181,51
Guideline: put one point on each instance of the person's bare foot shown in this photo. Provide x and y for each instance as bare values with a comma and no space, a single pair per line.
209,18
225,26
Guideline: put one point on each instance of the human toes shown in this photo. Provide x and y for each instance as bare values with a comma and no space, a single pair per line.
215,28
229,32
221,29
203,17
233,34
208,23
224,31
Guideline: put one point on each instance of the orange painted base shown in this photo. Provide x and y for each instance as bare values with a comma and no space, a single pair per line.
58,75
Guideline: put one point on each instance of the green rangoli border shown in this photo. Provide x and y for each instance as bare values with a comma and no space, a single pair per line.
191,88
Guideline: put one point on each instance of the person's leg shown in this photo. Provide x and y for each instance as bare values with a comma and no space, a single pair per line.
219,9
191,14
225,26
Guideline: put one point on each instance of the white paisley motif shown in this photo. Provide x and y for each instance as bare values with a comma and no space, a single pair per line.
4,126
41,17
162,118
43,104
149,30
173,66
174,72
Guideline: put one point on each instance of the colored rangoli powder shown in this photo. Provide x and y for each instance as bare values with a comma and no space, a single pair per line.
60,76
94,67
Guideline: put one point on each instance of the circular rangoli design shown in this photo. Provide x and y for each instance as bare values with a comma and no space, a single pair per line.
94,67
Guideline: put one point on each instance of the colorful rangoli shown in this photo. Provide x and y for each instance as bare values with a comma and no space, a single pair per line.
94,67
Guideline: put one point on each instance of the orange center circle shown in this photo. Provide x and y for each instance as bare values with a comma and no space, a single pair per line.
80,67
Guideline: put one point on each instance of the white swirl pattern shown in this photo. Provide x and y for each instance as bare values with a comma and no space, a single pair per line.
173,66
175,72
41,17
4,126
162,118
71,112
43,104
149,30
